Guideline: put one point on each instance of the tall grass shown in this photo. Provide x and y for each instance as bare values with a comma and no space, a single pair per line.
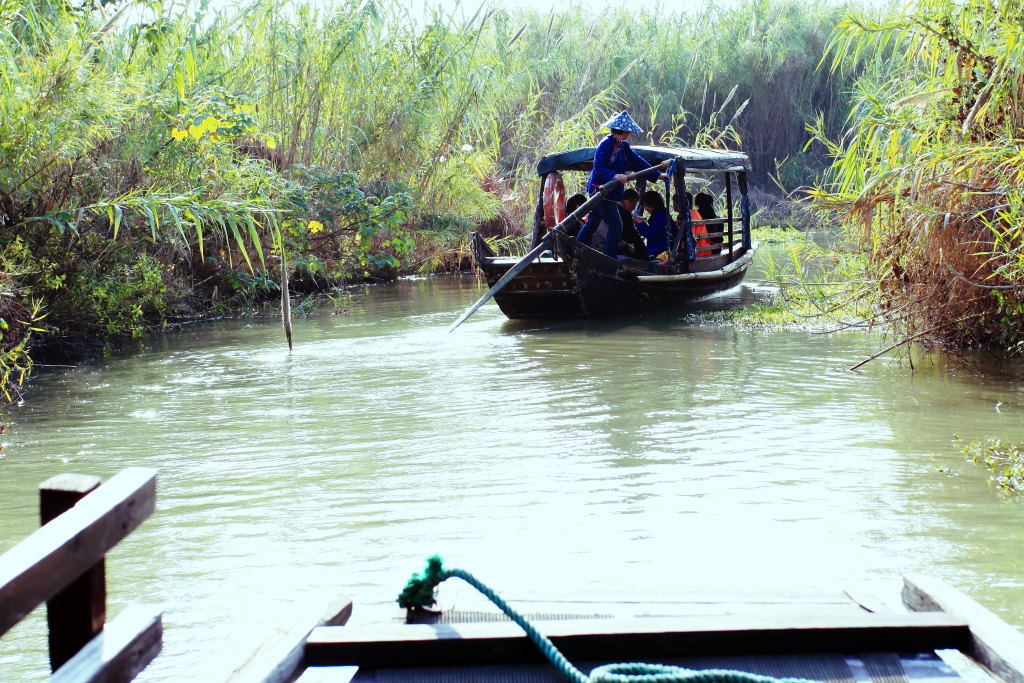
928,181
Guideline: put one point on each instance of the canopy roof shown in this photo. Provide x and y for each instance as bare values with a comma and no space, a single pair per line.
704,159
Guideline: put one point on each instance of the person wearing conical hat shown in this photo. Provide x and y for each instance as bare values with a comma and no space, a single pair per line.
612,158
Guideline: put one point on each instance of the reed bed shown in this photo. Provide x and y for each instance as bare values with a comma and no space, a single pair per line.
927,183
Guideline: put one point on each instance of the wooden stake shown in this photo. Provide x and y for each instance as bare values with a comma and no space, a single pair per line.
286,302
76,614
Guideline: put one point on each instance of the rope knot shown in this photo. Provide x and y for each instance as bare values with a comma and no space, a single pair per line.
419,591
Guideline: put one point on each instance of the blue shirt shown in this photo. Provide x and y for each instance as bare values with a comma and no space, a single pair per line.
655,231
612,157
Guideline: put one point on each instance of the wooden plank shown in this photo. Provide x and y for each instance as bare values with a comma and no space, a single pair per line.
698,595
868,603
281,657
43,564
457,596
630,640
75,615
60,492
328,674
719,246
123,649
993,643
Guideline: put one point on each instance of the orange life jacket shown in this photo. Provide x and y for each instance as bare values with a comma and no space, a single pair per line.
699,230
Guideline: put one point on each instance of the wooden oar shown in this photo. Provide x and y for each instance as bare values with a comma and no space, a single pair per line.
572,219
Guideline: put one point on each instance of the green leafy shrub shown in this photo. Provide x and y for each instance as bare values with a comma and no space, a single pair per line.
1004,462
339,230
91,283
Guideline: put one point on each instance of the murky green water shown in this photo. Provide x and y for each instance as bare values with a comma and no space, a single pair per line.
649,453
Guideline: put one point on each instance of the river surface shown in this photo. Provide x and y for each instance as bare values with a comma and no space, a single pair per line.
655,453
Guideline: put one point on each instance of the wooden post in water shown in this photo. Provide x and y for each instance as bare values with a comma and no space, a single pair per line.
76,614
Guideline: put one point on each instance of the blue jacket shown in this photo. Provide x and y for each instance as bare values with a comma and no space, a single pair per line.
655,231
611,158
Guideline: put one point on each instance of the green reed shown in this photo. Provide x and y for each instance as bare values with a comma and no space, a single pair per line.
927,182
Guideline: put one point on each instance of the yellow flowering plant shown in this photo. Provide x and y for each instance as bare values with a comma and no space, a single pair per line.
216,115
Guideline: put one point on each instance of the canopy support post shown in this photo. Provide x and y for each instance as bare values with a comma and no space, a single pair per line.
731,218
744,209
538,215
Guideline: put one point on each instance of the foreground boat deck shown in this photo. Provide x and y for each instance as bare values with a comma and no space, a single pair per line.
866,668
841,637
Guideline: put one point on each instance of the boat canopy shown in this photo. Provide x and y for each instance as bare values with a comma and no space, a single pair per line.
703,159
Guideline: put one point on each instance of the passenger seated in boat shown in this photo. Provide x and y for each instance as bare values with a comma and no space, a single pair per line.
705,205
655,228
600,232
632,243
574,202
700,232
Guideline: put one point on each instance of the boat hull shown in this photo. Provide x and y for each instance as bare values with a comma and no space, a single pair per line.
575,281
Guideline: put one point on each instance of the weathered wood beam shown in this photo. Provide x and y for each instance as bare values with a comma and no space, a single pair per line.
123,649
76,614
60,492
281,657
42,565
610,640
993,643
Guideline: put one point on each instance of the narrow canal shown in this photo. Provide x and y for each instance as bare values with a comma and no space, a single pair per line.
652,453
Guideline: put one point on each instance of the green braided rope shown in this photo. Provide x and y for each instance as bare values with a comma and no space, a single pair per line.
419,593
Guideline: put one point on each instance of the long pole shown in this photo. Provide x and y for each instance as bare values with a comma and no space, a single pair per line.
572,219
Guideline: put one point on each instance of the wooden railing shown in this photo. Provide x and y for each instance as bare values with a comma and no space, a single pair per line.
62,564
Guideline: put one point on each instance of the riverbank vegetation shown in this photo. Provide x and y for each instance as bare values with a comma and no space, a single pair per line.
926,186
157,160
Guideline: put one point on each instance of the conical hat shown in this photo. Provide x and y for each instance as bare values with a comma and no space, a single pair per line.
624,122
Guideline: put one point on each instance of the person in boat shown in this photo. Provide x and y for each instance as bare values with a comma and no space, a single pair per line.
705,205
655,229
632,243
700,232
576,201
612,158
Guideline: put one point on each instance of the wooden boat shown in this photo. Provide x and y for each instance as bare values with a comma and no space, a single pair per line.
575,280
936,635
